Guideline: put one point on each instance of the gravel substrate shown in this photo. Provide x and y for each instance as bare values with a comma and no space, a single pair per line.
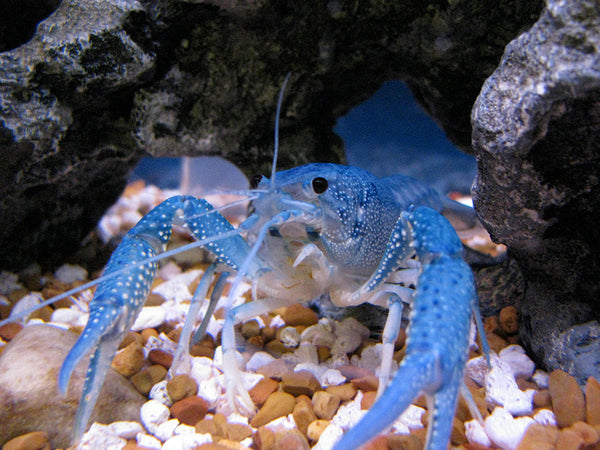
310,378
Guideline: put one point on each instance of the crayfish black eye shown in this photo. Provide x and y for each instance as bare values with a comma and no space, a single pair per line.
255,180
319,185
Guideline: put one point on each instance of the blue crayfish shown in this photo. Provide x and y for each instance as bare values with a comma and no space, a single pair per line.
314,229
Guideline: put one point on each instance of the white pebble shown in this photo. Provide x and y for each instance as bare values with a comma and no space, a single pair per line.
150,317
290,337
211,391
168,271
100,436
187,441
520,363
277,322
147,441
349,415
258,360
27,302
69,316
502,390
541,379
503,430
545,417
159,393
329,437
68,273
176,288
320,335
153,413
331,377
411,417
477,368
350,334
126,430
166,430
9,282
186,429
476,434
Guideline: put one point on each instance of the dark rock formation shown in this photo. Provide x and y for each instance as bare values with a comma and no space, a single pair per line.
537,141
102,83
29,396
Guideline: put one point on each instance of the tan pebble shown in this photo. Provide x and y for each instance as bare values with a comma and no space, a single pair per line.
257,341
261,390
323,353
147,333
377,443
264,438
37,440
315,429
567,398
206,425
130,360
190,410
276,348
300,315
300,383
44,313
404,442
524,384
213,446
144,380
277,404
458,432
569,440
586,431
228,444
160,357
491,325
353,372
368,399
346,391
268,333
592,401
509,321
18,294
231,431
131,337
250,329
421,401
275,369
181,386
291,441
303,398
174,334
303,415
202,350
542,399
368,383
496,342
420,434
325,405
154,300
9,330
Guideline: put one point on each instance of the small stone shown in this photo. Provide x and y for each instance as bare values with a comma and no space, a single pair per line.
539,437
231,431
278,404
292,441
323,353
147,333
181,386
161,357
496,343
144,380
367,383
10,330
586,431
276,348
509,320
130,360
316,428
353,372
592,401
37,440
298,314
303,415
250,329
325,405
569,440
542,399
368,399
377,443
131,337
264,438
152,414
275,369
190,410
405,442
458,438
300,383
345,391
567,399
261,390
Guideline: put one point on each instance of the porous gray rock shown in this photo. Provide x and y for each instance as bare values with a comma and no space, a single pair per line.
102,83
536,135
29,396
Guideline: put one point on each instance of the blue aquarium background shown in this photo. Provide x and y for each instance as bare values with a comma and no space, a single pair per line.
387,134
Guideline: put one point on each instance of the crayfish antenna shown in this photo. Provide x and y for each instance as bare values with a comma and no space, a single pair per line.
277,115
